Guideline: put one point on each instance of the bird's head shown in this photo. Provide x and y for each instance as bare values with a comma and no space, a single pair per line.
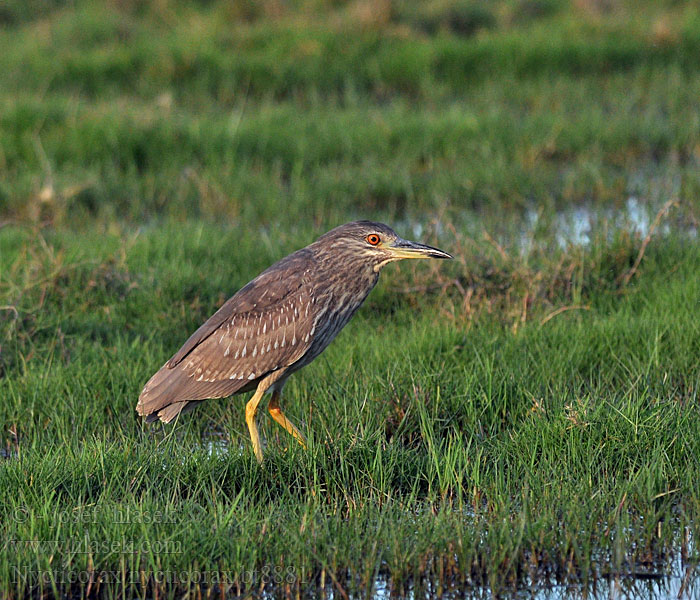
374,244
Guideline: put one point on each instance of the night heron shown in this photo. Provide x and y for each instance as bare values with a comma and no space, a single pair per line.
276,324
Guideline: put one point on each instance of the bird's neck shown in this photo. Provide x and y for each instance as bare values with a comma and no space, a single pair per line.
348,284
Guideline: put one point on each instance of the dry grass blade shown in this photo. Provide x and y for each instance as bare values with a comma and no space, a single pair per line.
560,310
663,211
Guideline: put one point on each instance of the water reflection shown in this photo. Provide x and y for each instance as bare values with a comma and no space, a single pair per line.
675,578
576,225
682,585
217,448
537,226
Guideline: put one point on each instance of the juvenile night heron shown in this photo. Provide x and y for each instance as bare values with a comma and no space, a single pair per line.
277,324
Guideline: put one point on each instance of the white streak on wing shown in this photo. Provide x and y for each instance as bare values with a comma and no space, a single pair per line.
276,343
269,345
320,314
251,376
244,350
228,350
221,339
264,327
255,350
233,376
236,355
306,337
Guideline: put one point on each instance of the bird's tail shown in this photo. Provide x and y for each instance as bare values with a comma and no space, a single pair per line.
160,398
167,413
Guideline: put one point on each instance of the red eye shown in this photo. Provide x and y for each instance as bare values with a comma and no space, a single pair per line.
373,239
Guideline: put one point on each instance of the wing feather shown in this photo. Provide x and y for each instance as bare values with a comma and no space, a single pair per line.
267,290
266,326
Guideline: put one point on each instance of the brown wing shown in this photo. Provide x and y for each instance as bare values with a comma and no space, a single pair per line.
266,326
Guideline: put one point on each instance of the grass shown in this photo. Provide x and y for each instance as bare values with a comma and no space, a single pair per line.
454,450
526,415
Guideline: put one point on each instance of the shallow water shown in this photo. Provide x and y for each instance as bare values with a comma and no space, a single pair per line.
656,585
8,453
577,225
678,578
674,579
628,588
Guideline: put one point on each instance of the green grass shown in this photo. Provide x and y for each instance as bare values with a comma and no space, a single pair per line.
443,444
509,419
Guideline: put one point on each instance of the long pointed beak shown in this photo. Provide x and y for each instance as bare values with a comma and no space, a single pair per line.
405,249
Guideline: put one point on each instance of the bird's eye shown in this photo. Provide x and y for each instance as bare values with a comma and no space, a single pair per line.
373,239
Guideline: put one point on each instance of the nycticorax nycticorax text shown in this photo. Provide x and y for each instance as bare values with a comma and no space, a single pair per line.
276,324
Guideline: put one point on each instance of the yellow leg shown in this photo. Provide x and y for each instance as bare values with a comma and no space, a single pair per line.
278,415
250,411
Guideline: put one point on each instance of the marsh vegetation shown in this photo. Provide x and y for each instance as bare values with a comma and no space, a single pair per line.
524,418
